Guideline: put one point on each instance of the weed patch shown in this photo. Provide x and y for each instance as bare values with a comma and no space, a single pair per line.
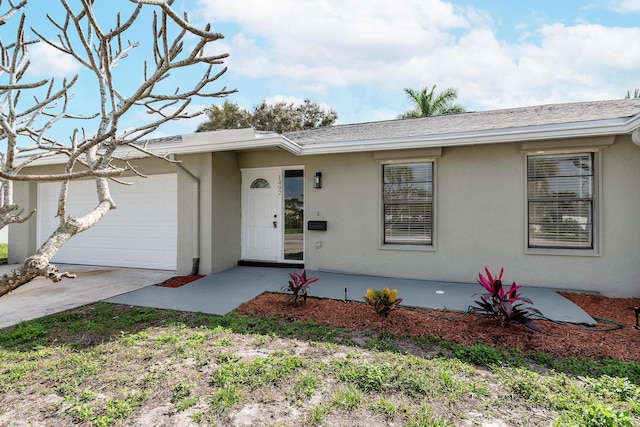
104,365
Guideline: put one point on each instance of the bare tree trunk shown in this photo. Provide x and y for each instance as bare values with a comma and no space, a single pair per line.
38,265
26,128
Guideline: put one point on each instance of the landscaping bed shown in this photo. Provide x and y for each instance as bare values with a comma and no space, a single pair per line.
614,337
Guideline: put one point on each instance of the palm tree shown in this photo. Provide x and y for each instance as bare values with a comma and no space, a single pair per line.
428,103
636,94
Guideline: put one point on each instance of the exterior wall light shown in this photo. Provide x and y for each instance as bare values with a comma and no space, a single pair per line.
317,180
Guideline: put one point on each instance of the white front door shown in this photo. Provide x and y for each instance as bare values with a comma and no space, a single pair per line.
262,214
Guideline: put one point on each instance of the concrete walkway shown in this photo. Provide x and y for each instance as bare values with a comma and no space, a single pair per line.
41,297
222,292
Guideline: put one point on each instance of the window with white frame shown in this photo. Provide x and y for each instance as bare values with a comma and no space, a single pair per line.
561,200
407,194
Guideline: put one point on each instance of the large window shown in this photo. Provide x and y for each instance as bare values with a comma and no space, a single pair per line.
561,201
408,203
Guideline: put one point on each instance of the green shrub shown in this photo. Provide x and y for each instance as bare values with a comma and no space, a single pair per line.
382,301
604,416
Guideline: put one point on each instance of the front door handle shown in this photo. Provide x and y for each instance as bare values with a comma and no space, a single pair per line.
275,224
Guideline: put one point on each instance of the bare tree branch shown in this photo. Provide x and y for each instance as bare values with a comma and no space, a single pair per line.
7,215
63,176
166,8
79,36
13,9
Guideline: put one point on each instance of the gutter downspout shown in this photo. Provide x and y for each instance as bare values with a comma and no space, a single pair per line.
195,266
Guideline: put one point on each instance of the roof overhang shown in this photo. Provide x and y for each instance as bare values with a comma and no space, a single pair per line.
249,139
195,143
493,136
240,139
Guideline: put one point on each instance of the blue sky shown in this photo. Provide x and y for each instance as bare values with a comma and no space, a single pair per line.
357,57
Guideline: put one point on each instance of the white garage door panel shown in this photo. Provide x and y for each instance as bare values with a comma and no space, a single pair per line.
141,232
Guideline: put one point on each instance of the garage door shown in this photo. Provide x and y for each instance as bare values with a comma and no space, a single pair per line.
141,232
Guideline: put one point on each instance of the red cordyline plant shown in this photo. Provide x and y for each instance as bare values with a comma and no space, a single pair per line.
298,285
504,305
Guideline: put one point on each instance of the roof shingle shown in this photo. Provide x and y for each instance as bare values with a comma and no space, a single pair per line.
552,114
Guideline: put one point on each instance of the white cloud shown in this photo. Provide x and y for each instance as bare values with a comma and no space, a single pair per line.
625,6
329,43
47,61
387,45
285,99
582,62
295,101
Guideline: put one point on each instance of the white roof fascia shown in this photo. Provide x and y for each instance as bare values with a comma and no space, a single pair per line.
190,148
634,124
246,139
240,139
492,136
201,142
291,146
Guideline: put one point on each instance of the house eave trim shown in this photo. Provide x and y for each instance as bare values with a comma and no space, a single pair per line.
521,134
248,139
205,142
246,144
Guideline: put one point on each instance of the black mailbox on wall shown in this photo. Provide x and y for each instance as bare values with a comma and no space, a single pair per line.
317,225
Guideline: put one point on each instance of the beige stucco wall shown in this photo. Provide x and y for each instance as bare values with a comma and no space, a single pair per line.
481,212
219,193
618,273
480,217
225,211
22,237
190,248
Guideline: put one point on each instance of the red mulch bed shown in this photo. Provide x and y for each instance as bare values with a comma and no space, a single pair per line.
176,282
556,340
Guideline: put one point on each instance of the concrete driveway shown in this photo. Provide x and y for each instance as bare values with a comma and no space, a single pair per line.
41,297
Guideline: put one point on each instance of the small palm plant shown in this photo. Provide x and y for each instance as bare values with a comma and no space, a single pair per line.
382,301
297,286
506,306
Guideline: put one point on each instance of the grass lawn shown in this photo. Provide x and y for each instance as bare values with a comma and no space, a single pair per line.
4,250
104,364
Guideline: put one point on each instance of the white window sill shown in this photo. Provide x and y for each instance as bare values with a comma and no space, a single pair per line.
414,248
563,252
